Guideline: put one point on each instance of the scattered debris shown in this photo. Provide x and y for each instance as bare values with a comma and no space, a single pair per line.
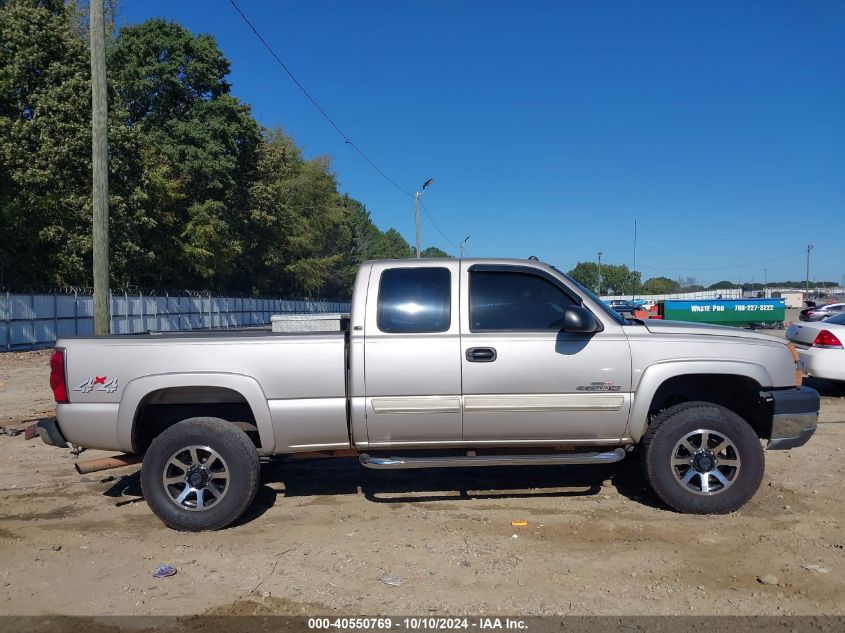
519,523
4,430
163,571
514,536
56,548
768,579
814,567
392,580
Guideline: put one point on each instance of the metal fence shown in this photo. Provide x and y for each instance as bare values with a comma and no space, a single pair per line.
729,293
33,321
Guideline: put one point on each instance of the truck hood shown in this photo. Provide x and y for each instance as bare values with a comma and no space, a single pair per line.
658,326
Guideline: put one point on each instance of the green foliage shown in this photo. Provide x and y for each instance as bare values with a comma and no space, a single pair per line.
615,279
45,152
722,285
433,251
200,196
163,71
660,286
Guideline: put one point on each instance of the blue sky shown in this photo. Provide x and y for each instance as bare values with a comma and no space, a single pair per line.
550,126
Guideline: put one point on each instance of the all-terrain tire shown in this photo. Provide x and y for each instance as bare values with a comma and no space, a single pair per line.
667,461
214,472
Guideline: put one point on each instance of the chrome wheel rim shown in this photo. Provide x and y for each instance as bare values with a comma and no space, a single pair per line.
196,478
705,462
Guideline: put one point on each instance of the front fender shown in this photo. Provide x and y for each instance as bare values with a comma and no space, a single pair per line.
655,375
136,390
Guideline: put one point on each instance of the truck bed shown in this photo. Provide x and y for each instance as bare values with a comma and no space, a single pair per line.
284,378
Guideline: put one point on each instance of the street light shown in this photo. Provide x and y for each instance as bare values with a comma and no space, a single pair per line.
417,195
462,245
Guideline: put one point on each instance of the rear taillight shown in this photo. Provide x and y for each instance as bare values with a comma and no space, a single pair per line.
827,340
57,375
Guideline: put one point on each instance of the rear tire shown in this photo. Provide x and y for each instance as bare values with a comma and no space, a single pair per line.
702,458
200,474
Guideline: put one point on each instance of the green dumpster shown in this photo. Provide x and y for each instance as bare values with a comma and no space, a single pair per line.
738,312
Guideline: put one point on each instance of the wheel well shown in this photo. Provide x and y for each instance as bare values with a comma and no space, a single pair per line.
165,407
737,393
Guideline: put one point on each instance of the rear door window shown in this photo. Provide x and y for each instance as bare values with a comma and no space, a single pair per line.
414,300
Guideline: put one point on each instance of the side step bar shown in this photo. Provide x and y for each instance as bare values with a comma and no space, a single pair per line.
460,461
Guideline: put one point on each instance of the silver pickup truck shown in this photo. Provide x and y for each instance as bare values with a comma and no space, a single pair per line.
485,362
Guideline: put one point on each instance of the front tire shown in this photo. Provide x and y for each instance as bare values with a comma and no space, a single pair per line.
702,458
200,474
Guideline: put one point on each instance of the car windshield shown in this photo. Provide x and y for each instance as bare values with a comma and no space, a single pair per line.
839,319
613,314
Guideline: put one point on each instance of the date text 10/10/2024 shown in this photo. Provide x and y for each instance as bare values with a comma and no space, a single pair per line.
416,624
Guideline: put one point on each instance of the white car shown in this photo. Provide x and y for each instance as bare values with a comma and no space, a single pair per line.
820,346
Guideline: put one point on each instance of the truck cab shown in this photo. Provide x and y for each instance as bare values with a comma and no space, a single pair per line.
455,352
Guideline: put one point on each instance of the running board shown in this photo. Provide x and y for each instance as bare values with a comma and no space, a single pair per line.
460,461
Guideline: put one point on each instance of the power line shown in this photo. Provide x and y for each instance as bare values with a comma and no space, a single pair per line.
716,268
313,101
437,227
760,263
343,135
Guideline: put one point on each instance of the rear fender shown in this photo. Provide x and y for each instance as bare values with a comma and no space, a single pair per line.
136,390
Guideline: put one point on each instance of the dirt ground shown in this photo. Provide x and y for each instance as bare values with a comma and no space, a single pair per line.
328,537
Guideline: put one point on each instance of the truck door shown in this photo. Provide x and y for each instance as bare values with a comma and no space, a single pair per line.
412,355
524,379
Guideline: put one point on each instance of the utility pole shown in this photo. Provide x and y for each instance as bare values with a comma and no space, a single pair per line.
100,168
634,272
462,244
807,282
599,290
417,195
765,284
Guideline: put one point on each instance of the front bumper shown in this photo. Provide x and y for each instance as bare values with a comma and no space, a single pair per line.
795,416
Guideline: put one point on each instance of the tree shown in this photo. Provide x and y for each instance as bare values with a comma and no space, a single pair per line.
660,286
614,278
300,225
586,274
164,71
433,251
175,90
722,285
45,152
391,245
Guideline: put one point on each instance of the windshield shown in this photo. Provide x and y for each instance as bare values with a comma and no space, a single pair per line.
839,319
613,314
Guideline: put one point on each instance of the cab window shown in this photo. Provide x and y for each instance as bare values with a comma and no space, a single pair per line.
412,300
513,301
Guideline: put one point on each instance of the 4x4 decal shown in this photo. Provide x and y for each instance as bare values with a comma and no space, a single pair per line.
98,383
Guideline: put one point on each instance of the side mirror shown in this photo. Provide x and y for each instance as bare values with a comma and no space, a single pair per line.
579,319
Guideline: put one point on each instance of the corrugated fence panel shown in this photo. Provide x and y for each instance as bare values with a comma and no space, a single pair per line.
33,321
